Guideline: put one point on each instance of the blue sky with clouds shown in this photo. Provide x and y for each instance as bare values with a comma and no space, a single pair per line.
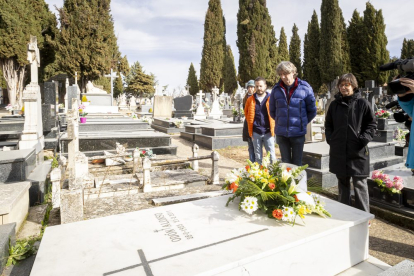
165,36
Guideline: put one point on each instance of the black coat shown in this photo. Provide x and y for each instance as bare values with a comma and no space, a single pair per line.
349,127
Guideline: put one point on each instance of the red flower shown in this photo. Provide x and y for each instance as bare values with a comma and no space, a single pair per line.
261,167
288,169
247,168
144,152
382,111
277,214
272,186
296,198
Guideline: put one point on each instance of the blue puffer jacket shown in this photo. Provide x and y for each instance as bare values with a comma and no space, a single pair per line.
292,118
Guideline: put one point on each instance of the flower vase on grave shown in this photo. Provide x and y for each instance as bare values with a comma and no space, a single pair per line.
83,120
375,194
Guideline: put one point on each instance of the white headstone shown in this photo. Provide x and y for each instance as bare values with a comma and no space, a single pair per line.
200,114
32,136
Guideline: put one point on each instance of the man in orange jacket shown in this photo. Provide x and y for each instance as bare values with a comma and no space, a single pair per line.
261,126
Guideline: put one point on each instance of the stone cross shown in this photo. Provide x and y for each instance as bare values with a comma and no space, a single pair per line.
33,126
112,76
215,92
33,57
200,94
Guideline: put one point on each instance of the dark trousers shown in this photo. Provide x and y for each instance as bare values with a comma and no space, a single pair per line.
291,149
360,189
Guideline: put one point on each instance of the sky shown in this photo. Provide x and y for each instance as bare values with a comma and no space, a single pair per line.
166,36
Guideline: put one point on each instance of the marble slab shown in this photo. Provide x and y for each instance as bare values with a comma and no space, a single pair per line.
205,238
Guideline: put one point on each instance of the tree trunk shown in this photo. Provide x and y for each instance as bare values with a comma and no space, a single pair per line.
14,73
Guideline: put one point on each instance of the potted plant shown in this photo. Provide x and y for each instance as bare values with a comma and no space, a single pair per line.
235,114
82,114
382,188
61,108
382,118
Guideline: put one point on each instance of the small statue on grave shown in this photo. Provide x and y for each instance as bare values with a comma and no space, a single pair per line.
90,88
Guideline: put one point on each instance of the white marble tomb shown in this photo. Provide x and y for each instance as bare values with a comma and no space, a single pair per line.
205,238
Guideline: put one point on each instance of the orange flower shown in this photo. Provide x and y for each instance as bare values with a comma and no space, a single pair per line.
277,214
234,186
288,169
296,198
247,168
272,186
261,167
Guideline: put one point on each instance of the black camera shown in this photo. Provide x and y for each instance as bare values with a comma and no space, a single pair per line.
406,65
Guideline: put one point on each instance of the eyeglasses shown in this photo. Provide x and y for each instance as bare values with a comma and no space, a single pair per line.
344,85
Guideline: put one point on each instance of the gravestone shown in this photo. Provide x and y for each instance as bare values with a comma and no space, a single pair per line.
162,106
171,240
183,106
216,112
200,113
73,93
132,103
32,136
49,106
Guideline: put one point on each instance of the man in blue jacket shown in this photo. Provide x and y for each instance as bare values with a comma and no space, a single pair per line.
292,106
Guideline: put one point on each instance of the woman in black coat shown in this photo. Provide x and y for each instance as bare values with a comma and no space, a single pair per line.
350,125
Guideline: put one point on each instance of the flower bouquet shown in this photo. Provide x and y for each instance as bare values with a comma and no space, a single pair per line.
385,183
147,120
178,123
400,134
273,189
382,114
9,107
146,153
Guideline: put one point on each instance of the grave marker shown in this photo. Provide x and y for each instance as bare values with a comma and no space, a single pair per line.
162,107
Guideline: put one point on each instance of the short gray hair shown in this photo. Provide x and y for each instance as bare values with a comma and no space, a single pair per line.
287,67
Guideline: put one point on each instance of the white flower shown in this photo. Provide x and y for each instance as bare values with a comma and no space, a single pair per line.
288,214
231,177
249,204
302,196
285,176
292,187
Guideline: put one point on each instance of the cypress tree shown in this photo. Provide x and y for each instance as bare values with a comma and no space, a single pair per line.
407,50
330,54
355,33
374,42
213,55
294,50
86,42
346,60
230,75
311,70
256,41
19,20
283,46
140,83
192,80
118,85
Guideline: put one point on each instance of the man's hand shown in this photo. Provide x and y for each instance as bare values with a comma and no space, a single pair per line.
408,83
